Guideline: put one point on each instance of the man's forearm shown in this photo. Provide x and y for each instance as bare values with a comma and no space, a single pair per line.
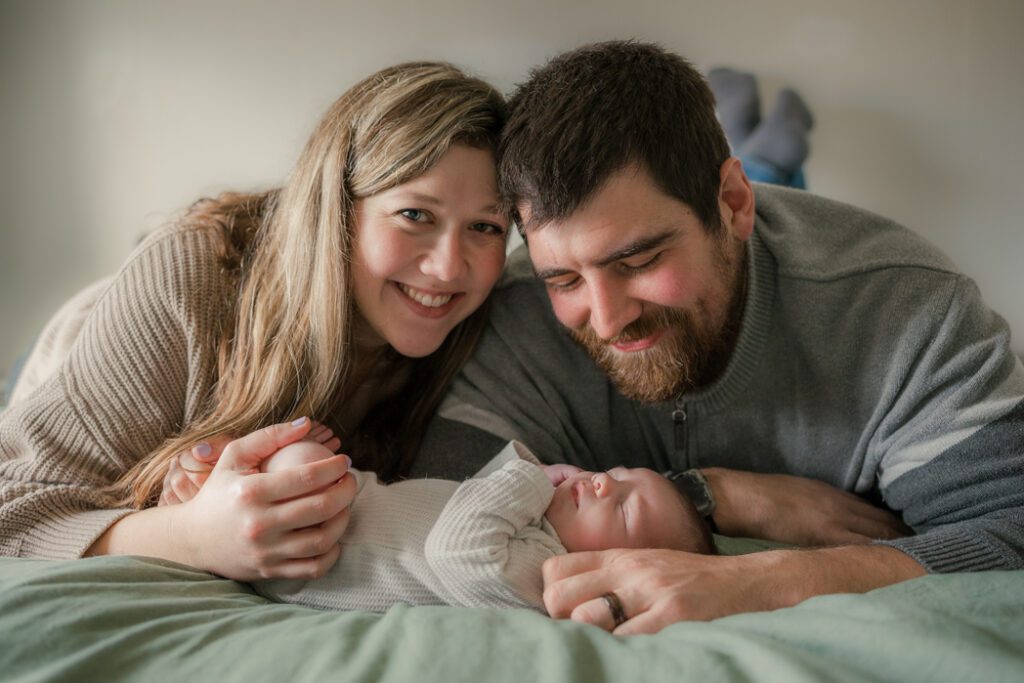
796,510
797,575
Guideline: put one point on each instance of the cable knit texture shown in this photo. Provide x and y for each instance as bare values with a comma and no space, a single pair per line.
141,367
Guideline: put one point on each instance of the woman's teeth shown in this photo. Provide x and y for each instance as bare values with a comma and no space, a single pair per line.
425,299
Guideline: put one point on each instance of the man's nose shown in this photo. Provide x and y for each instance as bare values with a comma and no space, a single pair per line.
445,260
611,309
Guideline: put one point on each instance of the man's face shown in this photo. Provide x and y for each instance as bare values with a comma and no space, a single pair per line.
642,286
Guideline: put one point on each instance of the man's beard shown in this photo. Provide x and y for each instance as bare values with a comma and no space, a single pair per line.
693,353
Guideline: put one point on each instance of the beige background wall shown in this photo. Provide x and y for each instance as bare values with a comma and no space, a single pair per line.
117,113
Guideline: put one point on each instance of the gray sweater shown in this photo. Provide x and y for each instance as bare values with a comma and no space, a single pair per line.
865,360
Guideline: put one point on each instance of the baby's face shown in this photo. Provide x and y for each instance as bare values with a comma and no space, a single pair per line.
620,508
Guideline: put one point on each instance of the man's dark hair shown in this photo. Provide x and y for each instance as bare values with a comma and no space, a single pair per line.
593,111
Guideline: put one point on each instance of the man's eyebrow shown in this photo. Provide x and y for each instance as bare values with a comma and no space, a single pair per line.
637,247
551,272
631,249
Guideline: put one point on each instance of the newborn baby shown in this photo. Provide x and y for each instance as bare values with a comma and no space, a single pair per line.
482,542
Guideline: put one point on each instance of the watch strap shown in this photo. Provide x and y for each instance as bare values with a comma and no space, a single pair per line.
694,485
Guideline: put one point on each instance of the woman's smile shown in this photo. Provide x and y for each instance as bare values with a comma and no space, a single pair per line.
427,304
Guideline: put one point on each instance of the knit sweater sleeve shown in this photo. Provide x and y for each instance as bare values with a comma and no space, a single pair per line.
489,543
139,370
951,446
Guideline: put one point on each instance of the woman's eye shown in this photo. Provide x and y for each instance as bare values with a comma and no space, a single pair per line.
490,229
416,215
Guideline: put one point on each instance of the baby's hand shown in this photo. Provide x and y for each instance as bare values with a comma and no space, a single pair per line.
560,472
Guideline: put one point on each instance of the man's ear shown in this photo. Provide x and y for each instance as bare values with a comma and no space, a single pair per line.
736,200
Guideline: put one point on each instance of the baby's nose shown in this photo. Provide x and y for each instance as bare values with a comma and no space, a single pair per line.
602,484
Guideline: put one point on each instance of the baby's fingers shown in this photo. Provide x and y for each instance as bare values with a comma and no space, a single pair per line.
322,434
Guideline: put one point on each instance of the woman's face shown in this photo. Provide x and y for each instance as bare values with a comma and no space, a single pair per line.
427,253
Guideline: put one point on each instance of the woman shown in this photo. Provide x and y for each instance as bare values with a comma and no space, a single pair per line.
351,294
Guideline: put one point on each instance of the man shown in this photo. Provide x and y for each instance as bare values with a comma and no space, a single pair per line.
787,350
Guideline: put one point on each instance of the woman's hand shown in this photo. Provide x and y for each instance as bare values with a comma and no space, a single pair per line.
796,510
249,525
189,470
245,524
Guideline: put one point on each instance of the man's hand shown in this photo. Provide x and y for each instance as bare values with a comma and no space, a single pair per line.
796,510
660,587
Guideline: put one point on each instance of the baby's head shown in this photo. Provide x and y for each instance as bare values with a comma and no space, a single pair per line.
626,508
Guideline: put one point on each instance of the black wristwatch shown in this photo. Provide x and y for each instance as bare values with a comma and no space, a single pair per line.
694,485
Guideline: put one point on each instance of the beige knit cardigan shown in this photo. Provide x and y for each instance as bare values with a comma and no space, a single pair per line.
142,367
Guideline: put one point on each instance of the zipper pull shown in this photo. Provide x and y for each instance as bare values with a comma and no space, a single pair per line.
679,420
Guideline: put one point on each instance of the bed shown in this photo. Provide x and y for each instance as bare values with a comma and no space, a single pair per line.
130,618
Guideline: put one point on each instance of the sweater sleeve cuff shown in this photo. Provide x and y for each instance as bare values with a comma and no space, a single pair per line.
940,551
536,487
70,535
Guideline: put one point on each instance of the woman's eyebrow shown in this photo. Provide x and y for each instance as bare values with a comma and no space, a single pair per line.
420,198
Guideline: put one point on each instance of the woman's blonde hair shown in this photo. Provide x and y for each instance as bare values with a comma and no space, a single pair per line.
286,349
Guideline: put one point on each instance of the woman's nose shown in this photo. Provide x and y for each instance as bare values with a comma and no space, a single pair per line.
445,260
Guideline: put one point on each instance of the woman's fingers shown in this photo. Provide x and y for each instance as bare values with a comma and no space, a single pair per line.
181,485
298,481
193,460
312,509
309,568
246,454
316,540
167,496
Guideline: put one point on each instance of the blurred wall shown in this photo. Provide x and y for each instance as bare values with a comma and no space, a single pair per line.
117,113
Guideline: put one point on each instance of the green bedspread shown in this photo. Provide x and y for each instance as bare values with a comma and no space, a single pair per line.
122,618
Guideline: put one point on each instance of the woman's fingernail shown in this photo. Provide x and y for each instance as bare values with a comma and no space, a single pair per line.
349,461
202,450
301,421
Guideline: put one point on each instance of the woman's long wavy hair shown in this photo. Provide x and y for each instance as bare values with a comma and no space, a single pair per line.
286,348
